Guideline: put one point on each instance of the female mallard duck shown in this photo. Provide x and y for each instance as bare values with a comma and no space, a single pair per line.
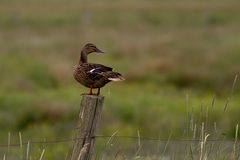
93,75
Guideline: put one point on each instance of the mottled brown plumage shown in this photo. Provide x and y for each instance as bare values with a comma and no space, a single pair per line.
93,75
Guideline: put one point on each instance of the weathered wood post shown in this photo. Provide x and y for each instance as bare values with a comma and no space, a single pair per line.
89,116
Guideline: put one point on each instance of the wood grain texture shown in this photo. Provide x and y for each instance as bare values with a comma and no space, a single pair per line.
89,116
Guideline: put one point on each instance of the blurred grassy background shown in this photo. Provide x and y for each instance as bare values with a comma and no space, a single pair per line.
166,50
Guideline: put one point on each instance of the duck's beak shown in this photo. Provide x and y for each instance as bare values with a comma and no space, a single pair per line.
99,51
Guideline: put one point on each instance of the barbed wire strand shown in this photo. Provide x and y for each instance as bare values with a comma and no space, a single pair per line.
102,136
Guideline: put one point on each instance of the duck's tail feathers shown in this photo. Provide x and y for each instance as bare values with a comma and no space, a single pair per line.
115,76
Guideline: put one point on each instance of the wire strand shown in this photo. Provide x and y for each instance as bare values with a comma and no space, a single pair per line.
102,136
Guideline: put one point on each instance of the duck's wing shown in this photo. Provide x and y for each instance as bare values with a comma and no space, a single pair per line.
100,67
94,66
94,70
104,71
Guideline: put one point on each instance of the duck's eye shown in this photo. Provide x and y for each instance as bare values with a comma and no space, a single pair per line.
93,49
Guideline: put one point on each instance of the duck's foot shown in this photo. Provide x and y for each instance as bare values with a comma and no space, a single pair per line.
90,93
98,91
93,94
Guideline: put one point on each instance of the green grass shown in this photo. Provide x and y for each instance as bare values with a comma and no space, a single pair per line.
165,49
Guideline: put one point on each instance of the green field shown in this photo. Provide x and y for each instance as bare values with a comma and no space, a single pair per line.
180,60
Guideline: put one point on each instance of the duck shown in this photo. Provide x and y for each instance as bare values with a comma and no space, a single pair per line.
93,75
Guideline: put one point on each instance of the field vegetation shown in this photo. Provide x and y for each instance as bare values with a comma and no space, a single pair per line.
180,60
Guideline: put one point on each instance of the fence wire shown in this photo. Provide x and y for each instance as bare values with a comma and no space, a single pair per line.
108,136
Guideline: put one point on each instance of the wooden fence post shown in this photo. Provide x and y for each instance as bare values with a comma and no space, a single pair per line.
89,116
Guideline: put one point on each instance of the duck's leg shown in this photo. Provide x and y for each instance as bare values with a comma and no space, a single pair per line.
90,90
98,91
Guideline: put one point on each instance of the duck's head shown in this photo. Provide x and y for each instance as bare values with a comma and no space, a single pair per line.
90,48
